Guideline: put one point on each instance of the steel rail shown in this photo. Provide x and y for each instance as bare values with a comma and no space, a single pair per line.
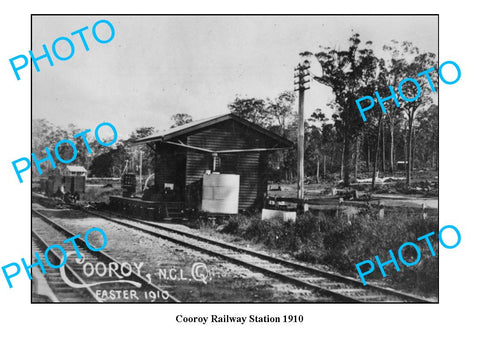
44,245
289,279
285,262
291,264
104,256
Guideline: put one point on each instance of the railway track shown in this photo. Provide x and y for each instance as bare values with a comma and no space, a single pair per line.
68,283
338,287
62,292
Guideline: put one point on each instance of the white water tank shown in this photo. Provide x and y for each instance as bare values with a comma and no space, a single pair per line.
220,193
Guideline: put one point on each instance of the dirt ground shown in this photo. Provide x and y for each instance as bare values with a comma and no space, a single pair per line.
385,191
226,282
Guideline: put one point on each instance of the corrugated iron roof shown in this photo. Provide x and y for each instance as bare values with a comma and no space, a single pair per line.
203,123
76,168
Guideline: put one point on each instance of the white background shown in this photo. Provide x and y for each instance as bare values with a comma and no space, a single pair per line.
452,323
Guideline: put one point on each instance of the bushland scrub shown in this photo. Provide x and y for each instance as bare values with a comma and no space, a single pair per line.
100,193
341,244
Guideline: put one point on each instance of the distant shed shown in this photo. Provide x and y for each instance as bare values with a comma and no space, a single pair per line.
71,179
226,144
74,171
74,178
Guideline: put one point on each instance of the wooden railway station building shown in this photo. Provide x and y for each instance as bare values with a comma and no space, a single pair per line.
225,145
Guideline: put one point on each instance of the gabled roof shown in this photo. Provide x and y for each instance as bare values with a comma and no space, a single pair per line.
195,126
76,168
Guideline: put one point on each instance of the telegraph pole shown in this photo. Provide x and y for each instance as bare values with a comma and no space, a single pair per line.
303,76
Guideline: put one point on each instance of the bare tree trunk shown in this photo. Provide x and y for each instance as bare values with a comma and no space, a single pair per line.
368,157
342,162
375,161
405,156
324,166
392,145
357,149
394,152
332,157
413,149
318,170
409,147
383,149
384,162
346,161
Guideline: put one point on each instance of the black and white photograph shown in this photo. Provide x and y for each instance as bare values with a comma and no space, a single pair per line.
238,175
234,158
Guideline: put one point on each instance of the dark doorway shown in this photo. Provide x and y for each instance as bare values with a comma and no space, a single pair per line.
180,171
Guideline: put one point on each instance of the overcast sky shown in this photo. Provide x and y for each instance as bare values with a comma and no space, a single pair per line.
157,66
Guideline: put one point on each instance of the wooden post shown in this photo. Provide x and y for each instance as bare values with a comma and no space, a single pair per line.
214,159
141,153
324,166
424,213
302,75
301,144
